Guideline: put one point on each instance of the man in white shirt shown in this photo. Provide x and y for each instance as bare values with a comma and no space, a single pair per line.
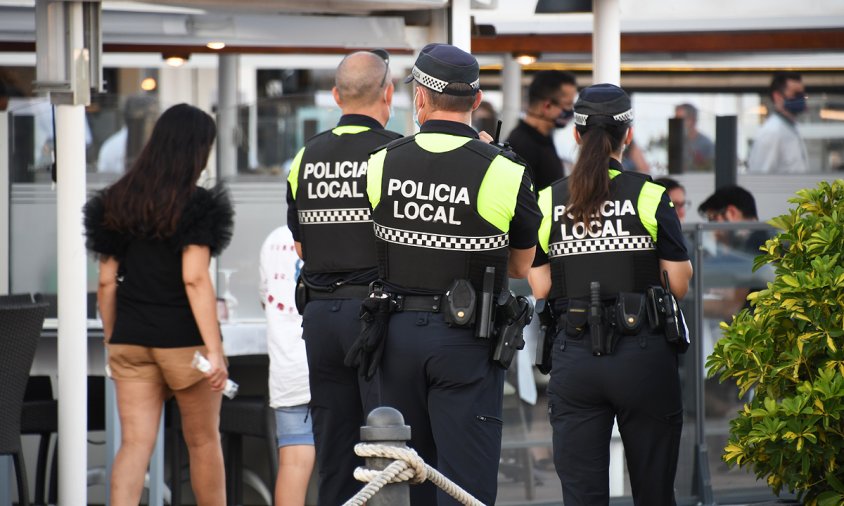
778,147
289,388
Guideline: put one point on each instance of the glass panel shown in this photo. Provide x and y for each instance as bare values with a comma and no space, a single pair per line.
821,127
727,277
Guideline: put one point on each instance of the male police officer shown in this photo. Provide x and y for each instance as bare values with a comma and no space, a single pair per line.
446,206
329,217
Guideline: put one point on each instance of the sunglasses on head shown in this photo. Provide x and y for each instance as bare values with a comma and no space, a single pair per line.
384,55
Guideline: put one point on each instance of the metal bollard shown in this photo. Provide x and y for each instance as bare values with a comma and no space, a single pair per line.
385,425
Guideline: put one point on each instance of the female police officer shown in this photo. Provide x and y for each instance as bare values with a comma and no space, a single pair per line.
606,239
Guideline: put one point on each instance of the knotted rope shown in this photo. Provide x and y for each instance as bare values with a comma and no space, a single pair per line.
406,466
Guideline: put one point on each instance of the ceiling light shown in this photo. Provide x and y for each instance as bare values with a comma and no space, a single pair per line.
525,58
148,84
215,45
832,114
175,59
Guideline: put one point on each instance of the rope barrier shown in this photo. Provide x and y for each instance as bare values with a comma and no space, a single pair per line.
408,466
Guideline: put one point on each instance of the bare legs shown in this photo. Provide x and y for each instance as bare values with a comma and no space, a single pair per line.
140,405
200,410
295,465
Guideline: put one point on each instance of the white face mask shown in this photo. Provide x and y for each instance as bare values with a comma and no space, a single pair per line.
416,111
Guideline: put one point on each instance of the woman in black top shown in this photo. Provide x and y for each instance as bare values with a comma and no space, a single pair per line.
154,232
608,238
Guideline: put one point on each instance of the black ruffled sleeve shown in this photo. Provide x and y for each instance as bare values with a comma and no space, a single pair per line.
207,220
98,238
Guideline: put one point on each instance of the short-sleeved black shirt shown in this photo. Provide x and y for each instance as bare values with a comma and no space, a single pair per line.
537,149
152,304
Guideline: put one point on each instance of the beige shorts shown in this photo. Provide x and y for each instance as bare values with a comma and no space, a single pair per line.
169,366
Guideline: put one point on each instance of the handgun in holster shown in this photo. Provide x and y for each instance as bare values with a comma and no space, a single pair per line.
512,315
547,332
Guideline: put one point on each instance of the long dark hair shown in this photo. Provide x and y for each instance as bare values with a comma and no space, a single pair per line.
148,200
589,183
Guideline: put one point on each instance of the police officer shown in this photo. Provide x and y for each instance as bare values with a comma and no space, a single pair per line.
329,217
446,206
606,238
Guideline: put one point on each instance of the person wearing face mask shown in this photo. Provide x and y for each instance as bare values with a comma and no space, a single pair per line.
778,147
328,215
550,106
447,206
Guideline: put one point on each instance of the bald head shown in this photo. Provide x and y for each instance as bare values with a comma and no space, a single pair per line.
358,78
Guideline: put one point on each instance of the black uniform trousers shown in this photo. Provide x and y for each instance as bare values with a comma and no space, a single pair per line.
450,393
638,384
340,398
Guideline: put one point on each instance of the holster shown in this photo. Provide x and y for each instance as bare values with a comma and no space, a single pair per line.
301,295
512,315
664,314
547,332
597,318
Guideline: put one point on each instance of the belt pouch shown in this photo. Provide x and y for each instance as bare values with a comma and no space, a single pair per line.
576,316
653,298
630,313
460,303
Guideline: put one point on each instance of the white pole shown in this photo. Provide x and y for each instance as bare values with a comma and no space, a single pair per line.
226,115
461,25
511,90
72,313
606,42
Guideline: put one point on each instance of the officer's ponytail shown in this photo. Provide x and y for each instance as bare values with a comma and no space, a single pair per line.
589,183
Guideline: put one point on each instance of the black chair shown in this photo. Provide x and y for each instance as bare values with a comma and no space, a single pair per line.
20,328
40,417
248,415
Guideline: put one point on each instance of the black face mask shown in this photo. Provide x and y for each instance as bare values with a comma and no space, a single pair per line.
564,118
796,105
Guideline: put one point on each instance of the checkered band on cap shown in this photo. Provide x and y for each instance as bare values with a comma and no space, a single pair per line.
435,84
436,241
327,216
623,117
601,245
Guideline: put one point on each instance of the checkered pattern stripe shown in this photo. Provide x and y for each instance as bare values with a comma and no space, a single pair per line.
601,245
432,82
326,216
436,241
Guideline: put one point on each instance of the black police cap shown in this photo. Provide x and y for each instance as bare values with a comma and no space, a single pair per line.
439,65
603,103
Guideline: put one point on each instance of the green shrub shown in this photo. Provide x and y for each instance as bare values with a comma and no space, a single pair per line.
789,352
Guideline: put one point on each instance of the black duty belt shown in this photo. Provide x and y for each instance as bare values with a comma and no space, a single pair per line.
430,303
340,292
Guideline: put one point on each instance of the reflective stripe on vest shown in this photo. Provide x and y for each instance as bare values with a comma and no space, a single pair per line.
617,249
442,210
328,183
